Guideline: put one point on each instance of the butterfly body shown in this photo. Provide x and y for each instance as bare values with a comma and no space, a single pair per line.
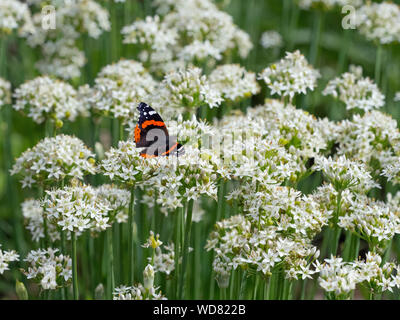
151,133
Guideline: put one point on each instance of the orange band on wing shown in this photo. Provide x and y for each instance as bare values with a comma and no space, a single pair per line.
153,122
137,133
148,156
172,148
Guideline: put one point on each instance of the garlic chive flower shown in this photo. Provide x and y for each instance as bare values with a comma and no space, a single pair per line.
374,221
189,89
271,39
44,98
345,174
379,22
276,229
33,214
234,82
137,292
119,88
5,92
49,268
291,75
355,91
340,278
77,209
15,15
371,138
54,159
118,200
59,44
6,257
125,165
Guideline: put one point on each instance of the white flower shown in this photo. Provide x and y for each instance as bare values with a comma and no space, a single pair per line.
15,15
33,215
44,98
374,221
344,173
185,90
77,209
137,292
54,159
371,138
379,22
118,200
118,89
5,92
49,268
234,82
290,76
271,39
150,32
355,91
5,258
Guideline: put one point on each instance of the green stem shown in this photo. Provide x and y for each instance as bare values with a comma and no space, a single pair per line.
186,242
243,285
110,273
74,267
177,247
378,63
130,237
316,35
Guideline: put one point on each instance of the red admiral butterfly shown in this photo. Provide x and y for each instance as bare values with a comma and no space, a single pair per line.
151,133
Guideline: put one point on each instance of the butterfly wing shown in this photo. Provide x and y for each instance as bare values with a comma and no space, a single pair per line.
151,133
148,119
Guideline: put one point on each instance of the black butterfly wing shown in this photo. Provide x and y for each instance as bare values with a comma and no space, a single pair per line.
151,133
148,119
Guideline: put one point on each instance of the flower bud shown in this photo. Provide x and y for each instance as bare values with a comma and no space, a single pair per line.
22,293
99,292
148,277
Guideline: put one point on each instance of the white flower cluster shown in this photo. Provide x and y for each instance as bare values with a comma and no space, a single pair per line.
275,232
397,96
164,262
44,98
355,91
119,88
137,292
151,33
118,201
186,90
234,82
61,58
125,165
6,257
32,212
345,174
379,22
374,221
290,76
49,268
58,158
61,55
15,15
186,31
5,92
371,138
77,209
340,278
271,39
